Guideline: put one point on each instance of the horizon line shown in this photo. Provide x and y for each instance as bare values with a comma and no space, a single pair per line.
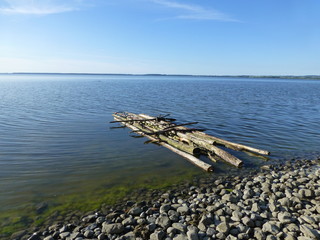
164,74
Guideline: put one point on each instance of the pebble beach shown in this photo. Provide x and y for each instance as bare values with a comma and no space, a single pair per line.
276,202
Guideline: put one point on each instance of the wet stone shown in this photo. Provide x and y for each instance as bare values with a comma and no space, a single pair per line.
19,234
41,207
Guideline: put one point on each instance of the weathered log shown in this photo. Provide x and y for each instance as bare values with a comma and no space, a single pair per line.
212,157
232,145
128,115
180,125
174,130
194,137
151,141
179,145
219,141
228,144
134,120
227,157
265,158
117,127
189,157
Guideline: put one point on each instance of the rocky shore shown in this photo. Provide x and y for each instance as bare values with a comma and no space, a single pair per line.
278,202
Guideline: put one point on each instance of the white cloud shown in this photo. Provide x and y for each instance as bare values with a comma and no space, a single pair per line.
192,11
38,7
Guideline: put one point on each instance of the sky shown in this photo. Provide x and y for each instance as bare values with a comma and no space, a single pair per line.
198,37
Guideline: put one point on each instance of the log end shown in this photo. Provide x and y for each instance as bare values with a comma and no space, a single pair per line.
240,165
210,169
196,151
266,153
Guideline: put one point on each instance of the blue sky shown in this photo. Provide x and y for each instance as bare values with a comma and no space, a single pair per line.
210,37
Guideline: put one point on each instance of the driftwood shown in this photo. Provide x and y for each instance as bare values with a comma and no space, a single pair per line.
181,146
212,157
151,119
179,125
133,120
174,130
189,157
227,157
183,140
231,145
215,140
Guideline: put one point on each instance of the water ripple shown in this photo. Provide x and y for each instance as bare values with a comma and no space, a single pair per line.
55,135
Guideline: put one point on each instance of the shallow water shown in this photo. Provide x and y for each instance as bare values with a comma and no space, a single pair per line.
56,138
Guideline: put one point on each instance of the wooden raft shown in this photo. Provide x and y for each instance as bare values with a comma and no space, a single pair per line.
190,143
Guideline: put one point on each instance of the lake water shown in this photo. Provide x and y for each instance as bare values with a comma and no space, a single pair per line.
56,140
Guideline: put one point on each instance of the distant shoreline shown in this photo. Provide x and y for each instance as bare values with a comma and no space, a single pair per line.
314,77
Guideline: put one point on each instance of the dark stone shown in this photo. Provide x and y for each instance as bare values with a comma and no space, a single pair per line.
41,207
34,236
18,235
129,203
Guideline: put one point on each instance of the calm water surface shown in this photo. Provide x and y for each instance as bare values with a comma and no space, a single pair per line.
55,136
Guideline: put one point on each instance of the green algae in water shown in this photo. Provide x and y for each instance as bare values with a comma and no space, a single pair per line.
91,200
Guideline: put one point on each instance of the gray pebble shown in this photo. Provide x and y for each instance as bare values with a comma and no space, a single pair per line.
308,232
114,228
192,235
165,208
223,228
180,236
183,210
157,235
270,227
163,221
179,226
135,211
